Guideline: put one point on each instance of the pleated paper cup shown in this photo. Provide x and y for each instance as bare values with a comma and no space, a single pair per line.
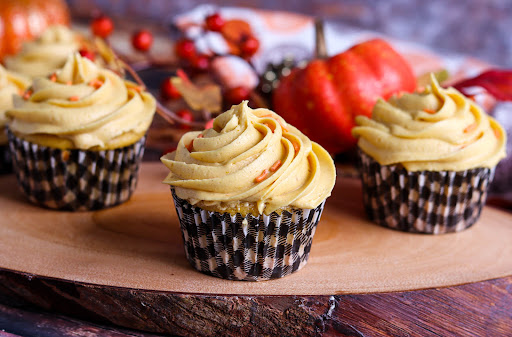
75,180
246,248
432,202
5,160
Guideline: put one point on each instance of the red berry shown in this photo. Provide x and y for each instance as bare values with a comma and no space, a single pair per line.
142,40
87,54
250,46
168,90
186,115
214,22
102,26
201,62
185,49
237,94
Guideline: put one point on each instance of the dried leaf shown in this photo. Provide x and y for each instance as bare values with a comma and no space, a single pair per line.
108,56
198,98
236,30
497,82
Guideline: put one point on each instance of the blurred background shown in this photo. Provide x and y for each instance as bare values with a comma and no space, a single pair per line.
480,28
464,37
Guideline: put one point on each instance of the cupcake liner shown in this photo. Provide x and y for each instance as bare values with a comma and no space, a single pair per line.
248,248
425,201
5,160
501,186
75,180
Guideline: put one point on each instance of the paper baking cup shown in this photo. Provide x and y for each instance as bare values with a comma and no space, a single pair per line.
423,202
5,160
246,248
75,180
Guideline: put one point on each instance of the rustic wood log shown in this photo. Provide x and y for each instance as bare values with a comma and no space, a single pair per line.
24,322
477,309
126,266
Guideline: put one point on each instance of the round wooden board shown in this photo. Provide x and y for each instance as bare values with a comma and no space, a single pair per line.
138,245
126,266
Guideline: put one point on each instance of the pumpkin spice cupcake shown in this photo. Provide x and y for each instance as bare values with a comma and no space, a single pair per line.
46,54
427,160
77,137
249,193
10,84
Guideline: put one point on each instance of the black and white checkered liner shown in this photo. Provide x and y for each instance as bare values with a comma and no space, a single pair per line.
422,202
251,248
5,160
75,180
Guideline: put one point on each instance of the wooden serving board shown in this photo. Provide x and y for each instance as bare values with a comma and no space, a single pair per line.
126,265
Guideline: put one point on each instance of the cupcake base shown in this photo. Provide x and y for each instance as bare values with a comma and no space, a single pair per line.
425,201
75,180
248,248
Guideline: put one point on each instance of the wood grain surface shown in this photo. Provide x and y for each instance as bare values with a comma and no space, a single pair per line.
138,245
476,309
126,266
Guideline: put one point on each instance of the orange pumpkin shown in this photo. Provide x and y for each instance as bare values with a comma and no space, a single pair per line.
22,20
323,99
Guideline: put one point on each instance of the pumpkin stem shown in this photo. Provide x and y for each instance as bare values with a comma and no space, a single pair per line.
320,46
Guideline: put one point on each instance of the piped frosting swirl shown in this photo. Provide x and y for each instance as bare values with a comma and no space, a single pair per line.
10,84
46,54
434,130
250,156
82,106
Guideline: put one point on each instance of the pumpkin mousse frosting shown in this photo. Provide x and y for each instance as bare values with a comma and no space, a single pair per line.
434,130
251,161
45,54
82,106
10,84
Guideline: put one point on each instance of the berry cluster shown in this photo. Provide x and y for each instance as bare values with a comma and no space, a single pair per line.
244,44
236,33
103,26
241,41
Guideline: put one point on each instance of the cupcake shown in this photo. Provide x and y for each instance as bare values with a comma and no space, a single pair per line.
249,193
10,84
427,160
46,54
77,137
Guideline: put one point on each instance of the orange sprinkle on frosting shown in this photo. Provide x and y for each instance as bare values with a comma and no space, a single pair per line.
74,98
27,94
261,177
270,127
276,166
277,120
430,111
470,128
200,135
69,83
190,146
53,77
296,147
497,133
96,83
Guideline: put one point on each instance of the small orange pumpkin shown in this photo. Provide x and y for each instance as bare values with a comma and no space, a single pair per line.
22,20
323,99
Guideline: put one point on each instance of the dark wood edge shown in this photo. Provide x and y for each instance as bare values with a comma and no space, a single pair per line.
17,322
482,308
